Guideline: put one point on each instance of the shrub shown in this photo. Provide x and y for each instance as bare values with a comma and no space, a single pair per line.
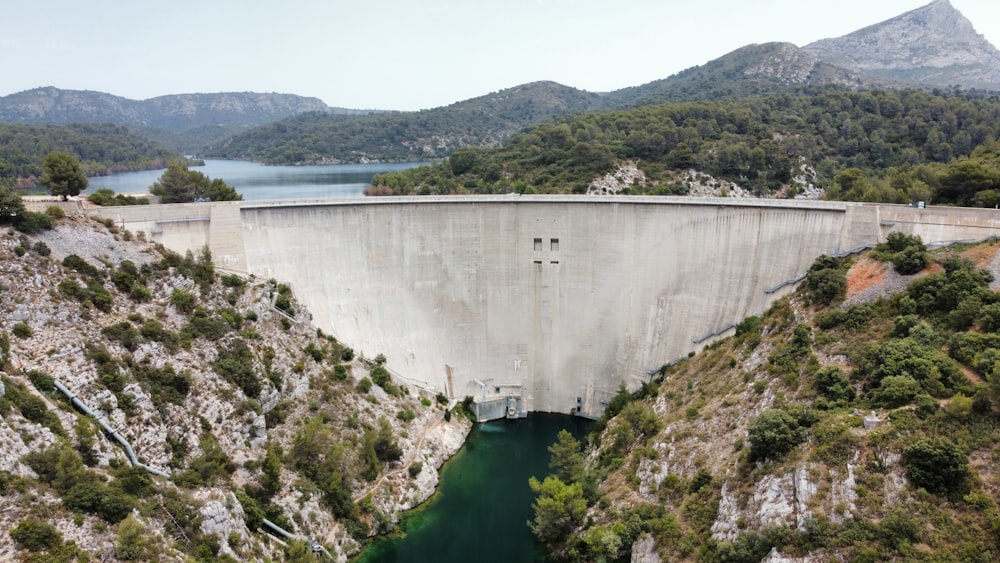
895,391
124,333
41,380
80,265
365,385
833,384
937,465
55,212
131,544
897,528
41,249
92,496
36,535
182,300
254,515
32,222
826,280
773,433
107,197
205,325
236,364
21,330
415,468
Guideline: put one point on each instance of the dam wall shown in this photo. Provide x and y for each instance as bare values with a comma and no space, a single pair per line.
543,303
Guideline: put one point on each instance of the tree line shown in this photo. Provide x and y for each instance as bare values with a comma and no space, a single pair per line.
774,144
100,148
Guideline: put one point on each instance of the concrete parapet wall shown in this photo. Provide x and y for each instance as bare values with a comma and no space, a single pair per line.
565,296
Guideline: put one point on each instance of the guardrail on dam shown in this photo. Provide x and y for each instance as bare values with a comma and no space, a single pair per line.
531,303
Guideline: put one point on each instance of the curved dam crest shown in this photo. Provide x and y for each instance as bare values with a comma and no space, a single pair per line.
535,303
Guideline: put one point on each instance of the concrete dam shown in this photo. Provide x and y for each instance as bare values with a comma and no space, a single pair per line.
532,303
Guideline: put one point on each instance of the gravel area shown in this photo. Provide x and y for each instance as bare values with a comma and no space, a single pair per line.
92,243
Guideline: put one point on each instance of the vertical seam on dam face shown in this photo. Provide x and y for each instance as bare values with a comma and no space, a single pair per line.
461,299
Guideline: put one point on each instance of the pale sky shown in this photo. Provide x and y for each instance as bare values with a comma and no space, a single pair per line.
404,54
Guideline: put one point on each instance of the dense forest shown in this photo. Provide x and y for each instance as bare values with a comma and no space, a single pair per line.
892,145
100,148
489,120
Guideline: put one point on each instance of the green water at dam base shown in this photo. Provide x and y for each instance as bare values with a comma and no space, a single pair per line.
483,503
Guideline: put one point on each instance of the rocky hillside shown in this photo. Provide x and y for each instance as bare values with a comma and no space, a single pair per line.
934,45
863,430
217,381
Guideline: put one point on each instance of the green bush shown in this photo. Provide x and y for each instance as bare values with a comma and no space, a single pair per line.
833,384
236,363
826,280
131,544
21,330
106,197
80,265
32,222
124,333
41,249
182,300
773,433
92,496
895,391
936,464
364,386
36,535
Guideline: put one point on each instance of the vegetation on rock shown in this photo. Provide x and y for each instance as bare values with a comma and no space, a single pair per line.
858,431
895,146
146,338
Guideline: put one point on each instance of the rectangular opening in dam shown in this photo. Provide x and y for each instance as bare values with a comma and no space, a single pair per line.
554,245
538,245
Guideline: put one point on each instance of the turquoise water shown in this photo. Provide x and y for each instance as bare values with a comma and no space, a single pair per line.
483,504
255,181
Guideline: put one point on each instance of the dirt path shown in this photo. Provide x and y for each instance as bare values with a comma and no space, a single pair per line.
405,462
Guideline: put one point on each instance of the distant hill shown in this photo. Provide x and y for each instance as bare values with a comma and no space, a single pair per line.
934,46
174,119
486,121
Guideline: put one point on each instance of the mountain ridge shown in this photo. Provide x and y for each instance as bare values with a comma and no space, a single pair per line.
910,48
931,47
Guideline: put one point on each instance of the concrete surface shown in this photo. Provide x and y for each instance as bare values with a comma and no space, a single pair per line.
554,300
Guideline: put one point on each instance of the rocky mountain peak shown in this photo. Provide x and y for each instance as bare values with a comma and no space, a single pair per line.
934,44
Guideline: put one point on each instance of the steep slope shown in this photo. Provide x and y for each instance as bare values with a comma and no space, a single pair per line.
933,45
864,430
252,412
750,70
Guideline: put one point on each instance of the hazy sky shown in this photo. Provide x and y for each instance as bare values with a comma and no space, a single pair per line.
404,54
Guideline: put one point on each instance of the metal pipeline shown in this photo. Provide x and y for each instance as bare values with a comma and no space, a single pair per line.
134,460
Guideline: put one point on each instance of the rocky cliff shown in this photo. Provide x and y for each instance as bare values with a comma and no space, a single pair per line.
933,45
252,412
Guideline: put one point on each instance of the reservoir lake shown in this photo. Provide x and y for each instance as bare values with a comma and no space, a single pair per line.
483,503
256,182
